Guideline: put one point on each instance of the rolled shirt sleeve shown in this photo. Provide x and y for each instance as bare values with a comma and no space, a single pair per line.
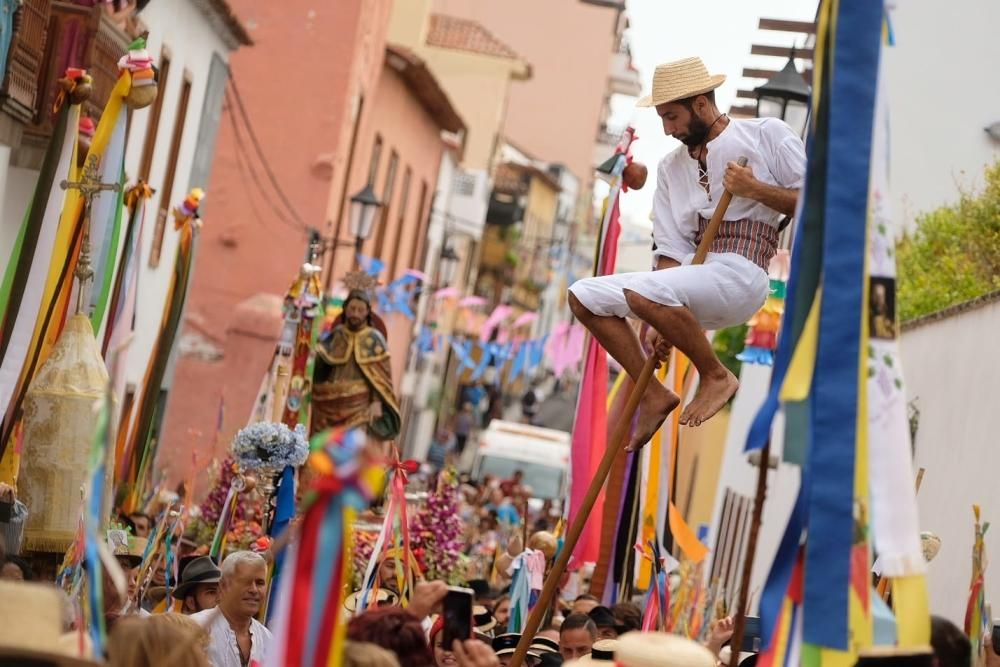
788,155
670,240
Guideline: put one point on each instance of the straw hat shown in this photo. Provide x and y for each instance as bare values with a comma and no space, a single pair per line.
657,649
383,598
602,654
31,620
484,620
679,80
126,546
506,644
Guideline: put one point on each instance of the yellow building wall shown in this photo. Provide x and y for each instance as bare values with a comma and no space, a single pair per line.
477,85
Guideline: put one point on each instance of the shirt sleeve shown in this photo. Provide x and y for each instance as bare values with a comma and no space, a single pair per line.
668,238
788,155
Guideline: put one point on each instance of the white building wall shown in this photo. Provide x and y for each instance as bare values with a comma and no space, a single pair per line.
943,91
17,185
952,371
185,30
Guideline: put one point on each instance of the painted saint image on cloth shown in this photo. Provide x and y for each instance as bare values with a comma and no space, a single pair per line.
882,308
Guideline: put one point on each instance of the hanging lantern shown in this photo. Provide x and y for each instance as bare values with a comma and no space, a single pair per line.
59,417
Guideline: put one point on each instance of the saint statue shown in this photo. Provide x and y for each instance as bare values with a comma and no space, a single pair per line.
352,380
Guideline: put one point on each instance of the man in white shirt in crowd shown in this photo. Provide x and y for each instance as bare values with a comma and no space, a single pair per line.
237,639
732,284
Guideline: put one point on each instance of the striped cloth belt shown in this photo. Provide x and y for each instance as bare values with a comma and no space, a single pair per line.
757,241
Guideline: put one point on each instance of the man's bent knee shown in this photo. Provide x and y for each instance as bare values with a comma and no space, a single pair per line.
580,311
637,303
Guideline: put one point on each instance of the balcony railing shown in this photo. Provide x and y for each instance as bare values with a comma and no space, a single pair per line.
25,56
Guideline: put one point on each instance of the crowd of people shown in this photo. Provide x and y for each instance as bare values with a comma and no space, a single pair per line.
216,607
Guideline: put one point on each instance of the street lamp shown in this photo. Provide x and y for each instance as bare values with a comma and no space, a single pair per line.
785,96
364,206
447,263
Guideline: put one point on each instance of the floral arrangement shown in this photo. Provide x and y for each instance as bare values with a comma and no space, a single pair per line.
436,530
270,446
245,528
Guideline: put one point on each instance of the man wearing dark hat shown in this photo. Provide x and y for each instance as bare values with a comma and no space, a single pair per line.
352,381
604,619
199,586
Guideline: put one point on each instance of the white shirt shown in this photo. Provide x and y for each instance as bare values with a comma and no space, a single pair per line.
774,153
223,650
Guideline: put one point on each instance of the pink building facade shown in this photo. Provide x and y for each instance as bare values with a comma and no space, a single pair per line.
320,90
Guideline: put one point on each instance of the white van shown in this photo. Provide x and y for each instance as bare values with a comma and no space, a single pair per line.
542,454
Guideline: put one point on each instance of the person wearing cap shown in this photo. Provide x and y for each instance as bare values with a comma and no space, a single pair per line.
198,589
680,303
577,635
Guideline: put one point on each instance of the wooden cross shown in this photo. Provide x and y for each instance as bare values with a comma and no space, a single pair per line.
89,186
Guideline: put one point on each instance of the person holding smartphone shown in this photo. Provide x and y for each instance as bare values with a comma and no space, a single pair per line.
13,515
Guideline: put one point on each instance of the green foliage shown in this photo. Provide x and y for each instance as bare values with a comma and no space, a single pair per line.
954,254
727,344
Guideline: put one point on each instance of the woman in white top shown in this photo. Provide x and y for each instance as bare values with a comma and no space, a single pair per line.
732,284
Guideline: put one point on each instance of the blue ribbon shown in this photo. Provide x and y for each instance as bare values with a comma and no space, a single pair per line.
370,265
518,365
835,382
484,361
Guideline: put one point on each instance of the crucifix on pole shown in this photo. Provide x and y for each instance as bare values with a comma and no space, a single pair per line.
90,186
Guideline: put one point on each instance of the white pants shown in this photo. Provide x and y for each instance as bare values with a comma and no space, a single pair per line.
724,291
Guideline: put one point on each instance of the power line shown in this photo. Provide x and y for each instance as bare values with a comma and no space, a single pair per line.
260,153
244,160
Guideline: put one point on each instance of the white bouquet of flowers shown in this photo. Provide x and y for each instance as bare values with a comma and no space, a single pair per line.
270,447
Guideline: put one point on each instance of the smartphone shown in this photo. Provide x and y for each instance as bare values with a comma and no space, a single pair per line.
457,615
6,511
751,635
995,636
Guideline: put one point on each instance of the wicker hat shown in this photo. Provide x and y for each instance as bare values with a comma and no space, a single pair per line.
384,598
126,546
658,649
602,654
31,619
680,80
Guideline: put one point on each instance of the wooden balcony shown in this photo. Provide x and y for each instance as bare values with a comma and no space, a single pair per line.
18,92
50,36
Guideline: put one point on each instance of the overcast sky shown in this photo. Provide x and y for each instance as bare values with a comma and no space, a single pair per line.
720,32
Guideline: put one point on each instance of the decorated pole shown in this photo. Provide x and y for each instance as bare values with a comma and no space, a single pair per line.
616,445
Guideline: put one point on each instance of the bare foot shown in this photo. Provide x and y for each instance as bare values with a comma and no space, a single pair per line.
656,404
713,393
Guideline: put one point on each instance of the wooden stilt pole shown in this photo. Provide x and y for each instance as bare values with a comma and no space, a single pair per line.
739,620
616,445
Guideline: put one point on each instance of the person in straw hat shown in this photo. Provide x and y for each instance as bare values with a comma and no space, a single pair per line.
732,284
31,628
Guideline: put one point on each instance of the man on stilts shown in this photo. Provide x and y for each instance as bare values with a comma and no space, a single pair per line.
732,284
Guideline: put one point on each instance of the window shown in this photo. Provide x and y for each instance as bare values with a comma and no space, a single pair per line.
404,201
421,235
376,156
149,144
208,125
383,221
168,180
